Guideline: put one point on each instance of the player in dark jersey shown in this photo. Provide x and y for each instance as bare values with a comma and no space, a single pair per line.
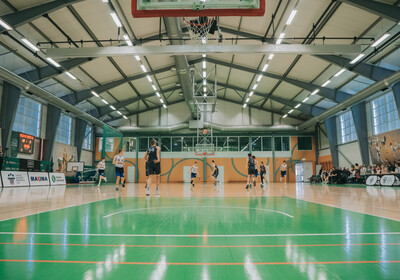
215,173
251,170
263,172
146,166
152,156
256,171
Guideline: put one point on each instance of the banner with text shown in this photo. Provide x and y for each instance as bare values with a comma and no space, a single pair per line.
14,178
57,179
38,178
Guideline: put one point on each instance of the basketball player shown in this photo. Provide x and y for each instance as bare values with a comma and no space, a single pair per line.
152,156
118,161
283,171
193,173
146,166
102,167
251,171
263,174
394,148
378,153
215,173
256,171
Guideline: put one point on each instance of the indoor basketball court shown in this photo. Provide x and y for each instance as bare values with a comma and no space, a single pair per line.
207,139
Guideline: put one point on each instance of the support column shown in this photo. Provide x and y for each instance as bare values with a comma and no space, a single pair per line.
80,129
52,121
396,93
360,123
9,104
331,130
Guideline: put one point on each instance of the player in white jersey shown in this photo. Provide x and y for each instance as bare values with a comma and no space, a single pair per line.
102,167
194,171
283,171
119,169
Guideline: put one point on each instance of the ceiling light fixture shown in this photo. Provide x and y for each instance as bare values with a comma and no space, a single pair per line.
291,17
104,101
280,38
5,25
315,92
265,67
297,106
259,78
29,44
143,68
116,19
326,83
284,116
357,58
112,107
340,72
380,40
94,93
53,62
70,75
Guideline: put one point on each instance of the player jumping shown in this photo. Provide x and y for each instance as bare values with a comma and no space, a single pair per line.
251,171
152,156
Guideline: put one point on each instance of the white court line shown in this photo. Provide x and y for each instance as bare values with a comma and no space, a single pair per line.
199,235
227,207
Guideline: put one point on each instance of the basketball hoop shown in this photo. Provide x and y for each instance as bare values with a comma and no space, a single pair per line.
199,28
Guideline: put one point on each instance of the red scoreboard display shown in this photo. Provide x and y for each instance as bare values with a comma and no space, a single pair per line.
26,143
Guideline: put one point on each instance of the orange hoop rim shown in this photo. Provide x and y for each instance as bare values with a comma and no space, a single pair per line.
199,24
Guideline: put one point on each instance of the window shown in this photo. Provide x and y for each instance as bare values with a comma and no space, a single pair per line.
130,144
87,142
64,130
166,144
143,144
28,117
233,144
188,144
244,144
267,143
222,144
282,144
109,144
177,144
385,116
304,143
347,129
256,144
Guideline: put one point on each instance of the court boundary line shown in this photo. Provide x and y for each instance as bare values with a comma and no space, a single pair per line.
45,211
302,199
199,206
213,264
198,235
197,246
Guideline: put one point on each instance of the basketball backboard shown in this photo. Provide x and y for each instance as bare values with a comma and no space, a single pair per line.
186,8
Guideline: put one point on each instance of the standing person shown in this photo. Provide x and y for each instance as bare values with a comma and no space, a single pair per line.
146,166
283,171
263,174
394,148
251,171
118,161
256,174
193,173
215,173
102,167
152,156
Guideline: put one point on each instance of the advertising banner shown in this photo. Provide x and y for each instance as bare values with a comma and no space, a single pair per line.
57,179
14,178
38,178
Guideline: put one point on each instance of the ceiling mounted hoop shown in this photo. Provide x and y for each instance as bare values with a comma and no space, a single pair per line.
199,28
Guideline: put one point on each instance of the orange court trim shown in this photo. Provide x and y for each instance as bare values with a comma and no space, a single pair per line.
198,246
155,263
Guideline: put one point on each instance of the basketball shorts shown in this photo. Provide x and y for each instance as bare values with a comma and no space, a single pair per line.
119,172
251,171
283,173
193,175
101,172
154,168
215,174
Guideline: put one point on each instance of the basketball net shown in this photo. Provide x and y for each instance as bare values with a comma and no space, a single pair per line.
199,28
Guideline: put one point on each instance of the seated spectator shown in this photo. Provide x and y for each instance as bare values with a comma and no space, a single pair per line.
370,169
363,170
397,168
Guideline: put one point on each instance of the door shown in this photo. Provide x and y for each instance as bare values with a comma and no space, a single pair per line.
307,170
299,172
186,174
221,174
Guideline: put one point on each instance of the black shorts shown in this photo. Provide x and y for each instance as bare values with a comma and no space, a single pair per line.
251,171
101,172
215,174
283,173
119,172
154,168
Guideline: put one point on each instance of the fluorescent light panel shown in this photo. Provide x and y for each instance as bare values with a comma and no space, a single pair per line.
137,57
104,101
284,116
29,44
280,38
297,106
116,19
248,99
165,106
251,93
70,75
326,83
380,40
143,68
245,105
5,25
154,87
53,62
291,111
265,67
305,99
204,64
340,72
119,112
149,79
271,56
255,86
259,78
162,101
357,58
315,92
158,94
94,93
291,17
112,107
125,117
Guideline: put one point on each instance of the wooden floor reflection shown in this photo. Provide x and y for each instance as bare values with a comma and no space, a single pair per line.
378,201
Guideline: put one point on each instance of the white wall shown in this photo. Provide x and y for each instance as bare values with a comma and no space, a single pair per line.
352,152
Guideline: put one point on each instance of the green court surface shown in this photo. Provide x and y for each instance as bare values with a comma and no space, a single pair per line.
200,238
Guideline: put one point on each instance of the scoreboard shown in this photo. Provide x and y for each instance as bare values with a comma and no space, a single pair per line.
26,143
